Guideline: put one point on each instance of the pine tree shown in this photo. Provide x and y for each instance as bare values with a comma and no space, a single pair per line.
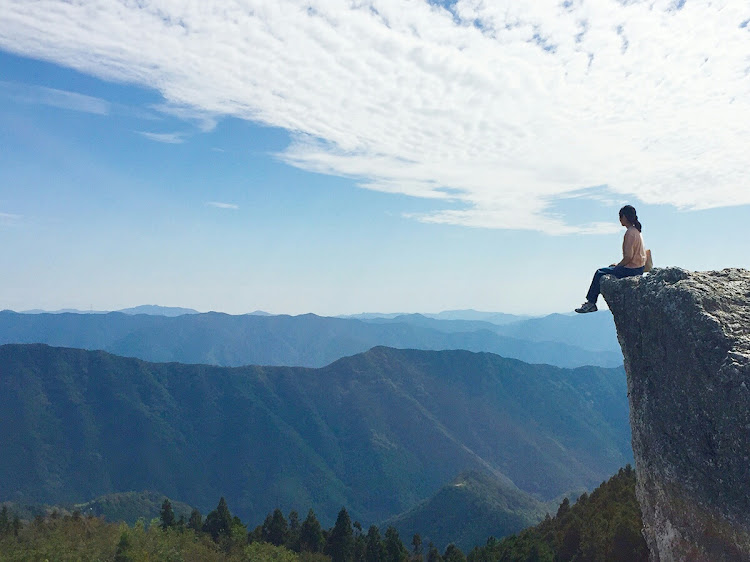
167,515
374,551
311,534
275,528
433,555
4,521
416,542
360,544
196,520
292,540
340,545
122,554
219,522
394,548
453,554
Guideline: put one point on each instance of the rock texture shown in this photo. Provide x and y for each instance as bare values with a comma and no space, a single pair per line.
686,341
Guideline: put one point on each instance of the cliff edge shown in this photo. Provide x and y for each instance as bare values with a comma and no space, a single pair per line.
686,341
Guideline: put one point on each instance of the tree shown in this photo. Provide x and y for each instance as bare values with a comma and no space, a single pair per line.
122,554
416,542
167,515
394,548
360,543
196,520
453,554
4,521
374,551
219,522
311,534
275,528
433,555
340,545
292,540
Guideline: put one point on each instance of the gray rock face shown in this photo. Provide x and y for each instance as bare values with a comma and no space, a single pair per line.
686,341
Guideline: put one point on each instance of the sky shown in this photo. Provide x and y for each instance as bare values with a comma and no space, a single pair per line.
341,157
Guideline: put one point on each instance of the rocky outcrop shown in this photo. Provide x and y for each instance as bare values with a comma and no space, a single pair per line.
686,341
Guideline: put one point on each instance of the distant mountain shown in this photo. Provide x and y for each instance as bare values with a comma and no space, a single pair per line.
156,310
588,331
151,309
447,326
377,432
468,510
63,311
307,340
498,318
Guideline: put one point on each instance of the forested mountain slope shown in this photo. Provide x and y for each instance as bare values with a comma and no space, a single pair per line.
377,432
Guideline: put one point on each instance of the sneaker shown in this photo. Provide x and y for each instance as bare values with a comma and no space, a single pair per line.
587,307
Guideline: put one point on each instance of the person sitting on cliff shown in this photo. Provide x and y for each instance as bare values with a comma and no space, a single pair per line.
632,262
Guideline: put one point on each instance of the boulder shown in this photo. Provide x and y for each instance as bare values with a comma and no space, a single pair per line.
685,337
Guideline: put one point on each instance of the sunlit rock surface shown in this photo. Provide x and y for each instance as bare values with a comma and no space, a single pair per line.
686,341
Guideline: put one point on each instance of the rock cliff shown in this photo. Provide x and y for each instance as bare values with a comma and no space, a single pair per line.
686,341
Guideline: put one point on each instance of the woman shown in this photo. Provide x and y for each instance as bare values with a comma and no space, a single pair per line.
633,258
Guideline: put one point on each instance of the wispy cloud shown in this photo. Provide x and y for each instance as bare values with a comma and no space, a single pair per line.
220,205
497,108
32,94
8,219
168,138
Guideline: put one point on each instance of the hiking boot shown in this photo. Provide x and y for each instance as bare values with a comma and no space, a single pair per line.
587,307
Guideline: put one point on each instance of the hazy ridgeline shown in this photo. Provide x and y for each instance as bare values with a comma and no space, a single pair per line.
313,341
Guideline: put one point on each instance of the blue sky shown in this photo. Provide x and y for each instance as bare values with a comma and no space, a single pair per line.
290,185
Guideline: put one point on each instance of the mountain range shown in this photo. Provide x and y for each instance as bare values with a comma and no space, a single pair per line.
309,340
377,432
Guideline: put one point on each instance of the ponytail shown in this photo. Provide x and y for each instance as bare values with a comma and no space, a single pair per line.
628,211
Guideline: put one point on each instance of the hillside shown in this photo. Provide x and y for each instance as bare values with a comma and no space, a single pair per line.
307,340
377,432
471,508
605,525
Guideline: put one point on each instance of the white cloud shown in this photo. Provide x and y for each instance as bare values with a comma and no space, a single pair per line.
28,93
498,108
8,219
168,138
220,205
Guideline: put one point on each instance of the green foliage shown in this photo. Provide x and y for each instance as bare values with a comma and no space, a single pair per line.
124,424
219,521
264,552
468,510
129,506
311,534
374,549
196,520
453,554
167,515
340,545
394,548
603,526
275,529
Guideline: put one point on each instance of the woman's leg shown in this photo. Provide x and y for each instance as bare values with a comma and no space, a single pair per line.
593,294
